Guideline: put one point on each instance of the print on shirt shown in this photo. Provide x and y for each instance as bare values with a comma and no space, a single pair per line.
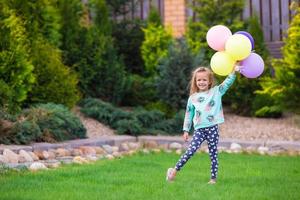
198,117
221,87
210,118
201,99
209,105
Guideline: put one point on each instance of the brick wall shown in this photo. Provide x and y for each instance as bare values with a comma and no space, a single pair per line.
175,16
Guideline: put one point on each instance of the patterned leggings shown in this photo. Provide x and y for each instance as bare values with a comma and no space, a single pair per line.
211,135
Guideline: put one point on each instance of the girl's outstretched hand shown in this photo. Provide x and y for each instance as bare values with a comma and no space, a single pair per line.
237,68
185,136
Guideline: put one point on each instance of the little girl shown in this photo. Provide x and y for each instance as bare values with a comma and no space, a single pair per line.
204,111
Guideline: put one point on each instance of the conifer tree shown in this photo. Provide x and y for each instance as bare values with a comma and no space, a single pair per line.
156,42
174,75
16,69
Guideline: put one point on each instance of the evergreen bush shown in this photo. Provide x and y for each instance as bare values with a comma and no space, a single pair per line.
135,122
155,45
284,87
16,69
61,123
269,111
174,75
242,96
89,50
128,37
25,132
141,91
55,82
45,123
129,126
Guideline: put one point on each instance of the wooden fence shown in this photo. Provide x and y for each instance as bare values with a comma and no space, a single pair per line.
274,16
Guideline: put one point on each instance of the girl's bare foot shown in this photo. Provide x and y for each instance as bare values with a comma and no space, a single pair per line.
212,181
171,173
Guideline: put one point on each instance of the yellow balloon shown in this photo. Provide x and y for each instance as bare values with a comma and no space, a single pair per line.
238,46
222,63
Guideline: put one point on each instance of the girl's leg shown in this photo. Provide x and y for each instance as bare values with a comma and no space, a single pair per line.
197,140
212,141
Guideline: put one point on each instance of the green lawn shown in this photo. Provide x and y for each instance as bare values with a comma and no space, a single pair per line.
143,177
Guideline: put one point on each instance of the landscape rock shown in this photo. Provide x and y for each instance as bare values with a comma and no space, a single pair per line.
33,156
175,146
124,147
61,152
3,159
76,152
86,150
134,145
108,149
235,147
150,144
109,157
37,166
79,160
10,156
262,150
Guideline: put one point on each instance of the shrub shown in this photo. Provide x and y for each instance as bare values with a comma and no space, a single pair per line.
132,127
88,48
128,37
155,46
174,74
242,97
25,132
55,82
45,123
97,109
148,118
169,111
272,111
61,123
135,122
141,91
16,69
284,87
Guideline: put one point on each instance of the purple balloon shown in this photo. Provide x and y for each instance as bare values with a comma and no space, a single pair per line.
248,35
252,66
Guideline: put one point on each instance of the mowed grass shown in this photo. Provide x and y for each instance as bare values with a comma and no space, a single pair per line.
142,176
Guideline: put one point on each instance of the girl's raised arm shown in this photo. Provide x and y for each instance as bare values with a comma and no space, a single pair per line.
223,87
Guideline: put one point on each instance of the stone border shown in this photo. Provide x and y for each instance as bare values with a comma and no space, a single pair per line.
46,155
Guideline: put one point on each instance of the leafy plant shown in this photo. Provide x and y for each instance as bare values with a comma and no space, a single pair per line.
44,123
284,87
155,45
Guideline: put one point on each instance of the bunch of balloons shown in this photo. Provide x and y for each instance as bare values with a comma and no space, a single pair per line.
232,49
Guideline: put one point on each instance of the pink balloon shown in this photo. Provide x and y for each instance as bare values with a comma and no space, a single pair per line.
217,36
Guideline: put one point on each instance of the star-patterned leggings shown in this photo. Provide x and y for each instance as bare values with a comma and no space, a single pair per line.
211,135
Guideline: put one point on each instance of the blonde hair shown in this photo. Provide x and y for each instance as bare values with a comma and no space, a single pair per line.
193,85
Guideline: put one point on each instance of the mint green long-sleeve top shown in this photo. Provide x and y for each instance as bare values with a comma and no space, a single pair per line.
204,109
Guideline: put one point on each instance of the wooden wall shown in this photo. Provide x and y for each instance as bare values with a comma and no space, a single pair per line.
274,16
